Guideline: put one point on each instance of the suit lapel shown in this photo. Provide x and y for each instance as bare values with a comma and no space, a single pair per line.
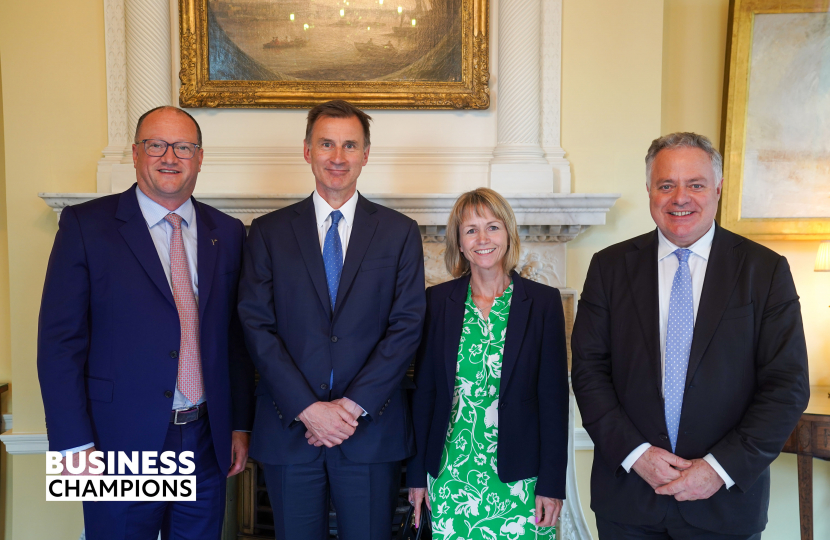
137,236
206,252
516,326
454,320
363,229
305,229
641,267
722,271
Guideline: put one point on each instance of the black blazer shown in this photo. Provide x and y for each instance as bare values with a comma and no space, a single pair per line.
533,392
746,384
295,339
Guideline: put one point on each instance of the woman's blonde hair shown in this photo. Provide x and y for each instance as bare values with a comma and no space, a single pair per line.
477,201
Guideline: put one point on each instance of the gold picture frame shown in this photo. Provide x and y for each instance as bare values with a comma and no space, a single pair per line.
467,88
770,183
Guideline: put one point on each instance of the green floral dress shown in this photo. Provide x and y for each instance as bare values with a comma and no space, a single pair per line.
468,499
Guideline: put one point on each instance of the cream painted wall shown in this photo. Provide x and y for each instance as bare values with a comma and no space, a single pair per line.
5,332
33,518
611,88
691,92
54,119
5,318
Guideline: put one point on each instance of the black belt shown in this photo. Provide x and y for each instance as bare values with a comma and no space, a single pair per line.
184,416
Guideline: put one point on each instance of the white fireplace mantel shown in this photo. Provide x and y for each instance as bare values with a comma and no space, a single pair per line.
542,217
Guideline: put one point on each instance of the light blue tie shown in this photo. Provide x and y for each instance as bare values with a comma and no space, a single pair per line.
333,257
679,332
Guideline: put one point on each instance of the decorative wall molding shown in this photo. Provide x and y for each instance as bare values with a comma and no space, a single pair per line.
582,441
542,217
116,56
25,443
519,162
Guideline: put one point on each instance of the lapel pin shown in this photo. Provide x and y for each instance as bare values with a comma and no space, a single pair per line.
214,240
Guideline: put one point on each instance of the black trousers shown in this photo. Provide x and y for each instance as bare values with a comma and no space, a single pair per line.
673,527
364,496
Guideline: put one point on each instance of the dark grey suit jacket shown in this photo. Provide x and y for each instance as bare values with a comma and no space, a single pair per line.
746,386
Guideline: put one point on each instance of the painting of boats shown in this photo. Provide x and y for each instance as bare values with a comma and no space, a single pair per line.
335,40
407,54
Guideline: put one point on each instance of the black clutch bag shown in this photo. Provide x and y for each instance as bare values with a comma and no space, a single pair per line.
408,530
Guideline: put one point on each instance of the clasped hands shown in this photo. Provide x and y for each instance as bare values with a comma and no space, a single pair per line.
685,480
330,423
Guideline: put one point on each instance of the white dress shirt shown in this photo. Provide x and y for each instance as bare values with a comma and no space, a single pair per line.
160,231
667,265
323,211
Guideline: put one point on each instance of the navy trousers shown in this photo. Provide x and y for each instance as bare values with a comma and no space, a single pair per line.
364,496
186,520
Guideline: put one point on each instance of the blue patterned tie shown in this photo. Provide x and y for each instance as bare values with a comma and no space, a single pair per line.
679,332
333,257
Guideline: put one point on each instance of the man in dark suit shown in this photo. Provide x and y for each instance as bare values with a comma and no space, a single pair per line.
332,304
138,334
689,363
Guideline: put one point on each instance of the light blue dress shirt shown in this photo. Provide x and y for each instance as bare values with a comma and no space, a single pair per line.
160,231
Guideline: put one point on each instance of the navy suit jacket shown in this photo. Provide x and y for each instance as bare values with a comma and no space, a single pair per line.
533,391
295,339
746,384
109,332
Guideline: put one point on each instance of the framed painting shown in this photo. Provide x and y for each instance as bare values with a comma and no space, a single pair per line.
777,120
377,54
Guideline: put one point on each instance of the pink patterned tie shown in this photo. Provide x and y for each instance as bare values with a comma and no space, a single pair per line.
189,379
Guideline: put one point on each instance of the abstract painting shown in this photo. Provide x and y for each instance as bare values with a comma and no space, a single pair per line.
777,136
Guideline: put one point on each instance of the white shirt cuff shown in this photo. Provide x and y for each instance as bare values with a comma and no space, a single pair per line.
634,456
77,449
710,459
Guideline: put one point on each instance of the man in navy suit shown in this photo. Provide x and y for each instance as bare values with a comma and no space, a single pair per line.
332,304
139,345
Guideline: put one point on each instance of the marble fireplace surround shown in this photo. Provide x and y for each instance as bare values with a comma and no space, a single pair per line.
547,221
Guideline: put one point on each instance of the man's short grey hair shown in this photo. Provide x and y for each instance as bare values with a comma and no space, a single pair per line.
684,140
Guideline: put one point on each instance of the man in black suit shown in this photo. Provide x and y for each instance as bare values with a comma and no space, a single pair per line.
332,304
689,363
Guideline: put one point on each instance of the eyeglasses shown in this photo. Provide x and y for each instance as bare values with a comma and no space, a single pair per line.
157,148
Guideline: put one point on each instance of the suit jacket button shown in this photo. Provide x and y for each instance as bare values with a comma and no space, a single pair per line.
323,386
664,437
280,417
381,412
334,339
174,354
168,394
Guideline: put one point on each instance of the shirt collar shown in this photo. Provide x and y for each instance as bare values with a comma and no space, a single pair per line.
322,209
701,248
154,213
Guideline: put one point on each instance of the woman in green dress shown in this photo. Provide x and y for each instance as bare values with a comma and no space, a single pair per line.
491,404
